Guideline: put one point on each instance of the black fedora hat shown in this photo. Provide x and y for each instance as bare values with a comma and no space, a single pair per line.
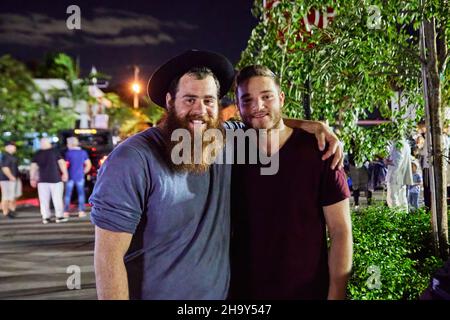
159,82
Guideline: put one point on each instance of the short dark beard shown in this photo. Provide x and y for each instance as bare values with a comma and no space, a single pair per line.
173,122
276,119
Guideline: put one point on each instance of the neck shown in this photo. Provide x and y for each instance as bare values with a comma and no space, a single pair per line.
276,138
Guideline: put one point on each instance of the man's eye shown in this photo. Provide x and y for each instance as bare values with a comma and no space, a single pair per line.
268,96
190,101
209,101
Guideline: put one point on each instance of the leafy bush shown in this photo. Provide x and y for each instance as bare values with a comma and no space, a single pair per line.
393,256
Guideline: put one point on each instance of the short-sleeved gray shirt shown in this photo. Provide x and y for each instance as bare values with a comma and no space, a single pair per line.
179,221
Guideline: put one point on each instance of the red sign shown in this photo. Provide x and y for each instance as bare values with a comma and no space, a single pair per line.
314,19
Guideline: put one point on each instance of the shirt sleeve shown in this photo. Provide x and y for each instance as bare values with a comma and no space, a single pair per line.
5,162
119,195
57,154
334,187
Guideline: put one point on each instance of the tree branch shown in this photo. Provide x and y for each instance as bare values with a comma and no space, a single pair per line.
413,53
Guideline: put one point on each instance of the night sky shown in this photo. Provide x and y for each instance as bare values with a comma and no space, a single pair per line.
115,35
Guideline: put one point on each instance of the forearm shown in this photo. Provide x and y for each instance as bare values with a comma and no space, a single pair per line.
62,167
307,125
33,173
87,168
340,264
8,173
111,278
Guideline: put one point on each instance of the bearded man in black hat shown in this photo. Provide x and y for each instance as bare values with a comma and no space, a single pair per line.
163,228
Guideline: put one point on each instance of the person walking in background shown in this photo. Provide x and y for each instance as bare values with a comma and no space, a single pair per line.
45,173
79,165
424,162
360,181
414,189
399,174
10,183
377,175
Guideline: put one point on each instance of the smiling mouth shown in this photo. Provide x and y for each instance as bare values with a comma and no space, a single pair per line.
197,122
259,116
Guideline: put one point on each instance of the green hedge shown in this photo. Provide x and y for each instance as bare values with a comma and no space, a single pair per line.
399,245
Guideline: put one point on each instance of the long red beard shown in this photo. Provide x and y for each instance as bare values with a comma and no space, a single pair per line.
173,122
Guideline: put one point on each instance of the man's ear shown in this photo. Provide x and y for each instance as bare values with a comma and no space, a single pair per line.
168,99
281,96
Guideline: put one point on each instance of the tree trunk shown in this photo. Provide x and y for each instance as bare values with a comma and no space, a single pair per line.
436,116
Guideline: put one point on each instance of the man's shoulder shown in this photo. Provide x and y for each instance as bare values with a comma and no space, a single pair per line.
306,140
303,146
144,143
38,153
233,125
5,159
77,153
144,138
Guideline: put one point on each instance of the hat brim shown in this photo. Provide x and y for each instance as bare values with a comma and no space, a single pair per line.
159,82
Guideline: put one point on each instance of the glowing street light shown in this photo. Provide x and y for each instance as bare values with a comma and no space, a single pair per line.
136,88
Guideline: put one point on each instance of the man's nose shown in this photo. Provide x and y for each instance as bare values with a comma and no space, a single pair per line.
258,105
199,108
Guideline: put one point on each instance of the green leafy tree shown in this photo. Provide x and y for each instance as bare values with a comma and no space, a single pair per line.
369,50
128,120
23,109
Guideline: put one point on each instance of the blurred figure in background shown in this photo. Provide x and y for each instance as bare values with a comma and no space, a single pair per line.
360,181
228,109
377,174
399,173
414,189
79,165
423,157
45,174
10,183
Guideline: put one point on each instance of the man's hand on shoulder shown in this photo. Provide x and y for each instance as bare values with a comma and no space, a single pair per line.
324,135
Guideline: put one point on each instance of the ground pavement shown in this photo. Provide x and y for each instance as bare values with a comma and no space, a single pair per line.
34,258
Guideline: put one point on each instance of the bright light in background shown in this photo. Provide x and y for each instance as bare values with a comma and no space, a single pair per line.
136,87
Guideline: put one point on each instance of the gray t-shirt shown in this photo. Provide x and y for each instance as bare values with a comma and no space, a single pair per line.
179,221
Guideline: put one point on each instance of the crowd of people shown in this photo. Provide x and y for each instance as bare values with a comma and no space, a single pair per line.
403,175
54,175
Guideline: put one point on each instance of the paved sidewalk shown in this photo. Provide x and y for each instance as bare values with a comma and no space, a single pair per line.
34,257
